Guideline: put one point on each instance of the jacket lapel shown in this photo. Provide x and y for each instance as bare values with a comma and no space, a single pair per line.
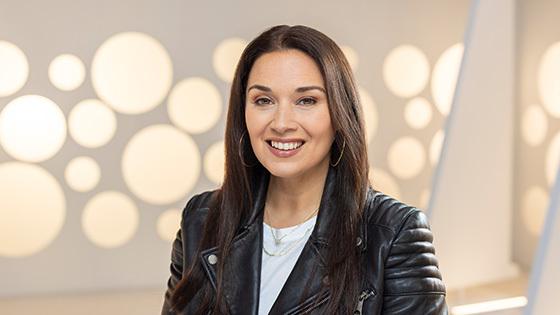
303,287
241,280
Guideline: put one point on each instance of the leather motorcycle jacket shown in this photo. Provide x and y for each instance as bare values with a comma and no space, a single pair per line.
401,272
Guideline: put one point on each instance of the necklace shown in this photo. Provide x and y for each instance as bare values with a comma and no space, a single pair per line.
278,240
288,248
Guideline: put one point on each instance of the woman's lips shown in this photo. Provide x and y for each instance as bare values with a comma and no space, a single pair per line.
283,153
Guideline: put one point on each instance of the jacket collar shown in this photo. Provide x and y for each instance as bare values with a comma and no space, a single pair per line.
241,280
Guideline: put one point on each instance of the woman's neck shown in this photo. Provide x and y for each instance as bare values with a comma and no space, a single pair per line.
291,201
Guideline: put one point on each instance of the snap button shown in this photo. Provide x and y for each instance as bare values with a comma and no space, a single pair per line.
326,280
212,259
358,241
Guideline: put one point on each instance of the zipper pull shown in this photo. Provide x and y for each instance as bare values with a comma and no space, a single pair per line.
363,296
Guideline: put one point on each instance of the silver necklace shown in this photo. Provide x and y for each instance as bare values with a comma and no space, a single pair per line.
288,248
278,240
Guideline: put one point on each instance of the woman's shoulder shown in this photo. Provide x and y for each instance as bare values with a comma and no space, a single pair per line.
198,205
388,212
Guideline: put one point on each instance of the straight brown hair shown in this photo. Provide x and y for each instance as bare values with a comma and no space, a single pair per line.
227,210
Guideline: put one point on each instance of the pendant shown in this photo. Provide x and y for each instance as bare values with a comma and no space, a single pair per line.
277,242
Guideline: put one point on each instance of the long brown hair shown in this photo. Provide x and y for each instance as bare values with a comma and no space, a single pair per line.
234,198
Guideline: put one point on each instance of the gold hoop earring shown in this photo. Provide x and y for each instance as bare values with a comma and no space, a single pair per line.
341,153
239,150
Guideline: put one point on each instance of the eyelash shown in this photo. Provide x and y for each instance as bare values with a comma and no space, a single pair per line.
303,99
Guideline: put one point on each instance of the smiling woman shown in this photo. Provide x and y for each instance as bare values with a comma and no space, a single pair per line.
296,228
289,124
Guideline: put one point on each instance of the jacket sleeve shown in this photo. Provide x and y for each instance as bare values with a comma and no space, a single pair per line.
176,266
413,283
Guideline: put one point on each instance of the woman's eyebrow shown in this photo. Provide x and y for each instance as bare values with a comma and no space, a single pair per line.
299,89
259,87
311,87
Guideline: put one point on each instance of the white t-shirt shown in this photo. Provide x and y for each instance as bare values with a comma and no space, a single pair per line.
276,269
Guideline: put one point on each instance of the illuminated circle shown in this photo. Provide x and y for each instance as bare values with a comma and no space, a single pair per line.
436,146
132,72
82,173
534,125
444,77
168,224
425,199
110,219
370,114
226,56
418,113
352,56
32,209
32,128
406,157
535,202
67,72
406,71
552,159
91,123
15,68
161,164
214,161
549,79
382,181
195,105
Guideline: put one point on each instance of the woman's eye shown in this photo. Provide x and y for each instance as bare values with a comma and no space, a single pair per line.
258,101
308,101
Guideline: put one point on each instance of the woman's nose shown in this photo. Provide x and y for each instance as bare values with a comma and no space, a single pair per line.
283,119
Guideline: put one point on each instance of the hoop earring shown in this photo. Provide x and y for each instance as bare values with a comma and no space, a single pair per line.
341,153
239,151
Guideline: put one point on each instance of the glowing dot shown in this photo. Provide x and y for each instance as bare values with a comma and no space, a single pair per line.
226,56
110,219
549,79
161,164
382,181
406,157
534,125
214,161
82,173
552,159
195,105
132,72
425,199
418,113
67,72
406,71
436,146
370,114
444,78
32,128
535,202
15,68
91,123
32,209
351,56
168,224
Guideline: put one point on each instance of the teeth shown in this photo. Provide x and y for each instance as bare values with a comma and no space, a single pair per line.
286,146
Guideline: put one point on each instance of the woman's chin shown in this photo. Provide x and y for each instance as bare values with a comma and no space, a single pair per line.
283,171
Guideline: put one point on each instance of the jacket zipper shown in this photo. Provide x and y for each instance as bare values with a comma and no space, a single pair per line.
363,296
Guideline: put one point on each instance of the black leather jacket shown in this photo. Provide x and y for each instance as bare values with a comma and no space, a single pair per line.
402,276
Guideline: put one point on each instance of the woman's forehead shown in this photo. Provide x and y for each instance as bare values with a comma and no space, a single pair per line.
289,70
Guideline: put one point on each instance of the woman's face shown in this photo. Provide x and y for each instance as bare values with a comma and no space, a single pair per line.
287,114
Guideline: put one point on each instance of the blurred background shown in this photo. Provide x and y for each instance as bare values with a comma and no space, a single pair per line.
112,116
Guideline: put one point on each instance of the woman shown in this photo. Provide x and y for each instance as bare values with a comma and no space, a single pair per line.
296,228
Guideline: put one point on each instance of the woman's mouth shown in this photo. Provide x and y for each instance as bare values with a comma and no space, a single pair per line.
284,149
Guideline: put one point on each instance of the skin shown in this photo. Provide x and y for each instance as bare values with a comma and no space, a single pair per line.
297,182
